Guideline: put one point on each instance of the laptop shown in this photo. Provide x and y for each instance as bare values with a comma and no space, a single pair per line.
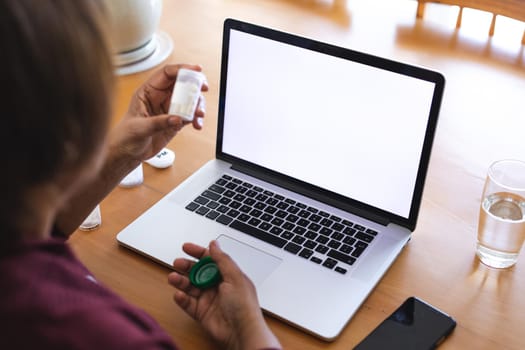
315,189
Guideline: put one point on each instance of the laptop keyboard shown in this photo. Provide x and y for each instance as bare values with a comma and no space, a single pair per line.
297,228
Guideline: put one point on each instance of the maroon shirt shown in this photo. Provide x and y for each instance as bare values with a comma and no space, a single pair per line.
49,300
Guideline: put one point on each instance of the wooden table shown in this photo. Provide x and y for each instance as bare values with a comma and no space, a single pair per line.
482,120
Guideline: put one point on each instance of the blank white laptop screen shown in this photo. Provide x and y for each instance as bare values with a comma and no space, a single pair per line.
343,126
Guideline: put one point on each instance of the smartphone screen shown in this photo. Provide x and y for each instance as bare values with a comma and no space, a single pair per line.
414,325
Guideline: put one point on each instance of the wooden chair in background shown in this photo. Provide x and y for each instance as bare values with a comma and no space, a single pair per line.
510,8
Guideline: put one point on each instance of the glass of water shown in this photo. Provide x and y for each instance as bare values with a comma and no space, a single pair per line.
501,229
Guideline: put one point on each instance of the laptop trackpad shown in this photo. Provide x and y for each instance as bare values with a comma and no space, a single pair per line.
255,263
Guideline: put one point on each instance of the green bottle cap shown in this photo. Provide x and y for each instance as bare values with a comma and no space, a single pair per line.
205,273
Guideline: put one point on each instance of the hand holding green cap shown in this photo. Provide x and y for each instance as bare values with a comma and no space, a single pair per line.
205,273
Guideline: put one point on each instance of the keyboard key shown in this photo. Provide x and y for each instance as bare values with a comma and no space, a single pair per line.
223,209
359,249
213,214
348,223
322,239
251,193
211,195
289,201
337,236
312,210
201,200
235,205
300,205
327,222
256,213
239,197
330,263
221,182
247,184
276,230
345,248
347,259
237,181
254,222
249,201
293,210
372,232
245,208
326,231
233,213
321,249
324,214
266,217
241,190
335,218
288,226
303,222
292,218
287,235
227,177
364,237
277,221
268,193
282,205
216,188
202,210
359,227
255,232
306,253
192,206
304,214
257,188
270,210
340,270
349,231
272,201
231,185
225,200
315,218
337,227
224,219
357,252
212,205
316,260
229,194
265,226
279,197
334,244
299,230
314,227
310,235
259,205
281,214
298,239
243,217
349,240
261,197
310,244
292,248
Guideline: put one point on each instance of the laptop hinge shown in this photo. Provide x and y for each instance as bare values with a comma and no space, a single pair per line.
311,192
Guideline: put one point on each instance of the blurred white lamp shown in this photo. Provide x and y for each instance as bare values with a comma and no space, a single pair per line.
136,43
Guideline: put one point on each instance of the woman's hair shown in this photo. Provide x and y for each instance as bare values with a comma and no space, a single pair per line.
57,77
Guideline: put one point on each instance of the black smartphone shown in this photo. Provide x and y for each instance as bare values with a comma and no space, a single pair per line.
415,325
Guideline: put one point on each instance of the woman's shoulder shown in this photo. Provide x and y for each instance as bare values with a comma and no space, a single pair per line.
51,298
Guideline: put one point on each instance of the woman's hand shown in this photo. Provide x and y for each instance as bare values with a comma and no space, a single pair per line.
230,312
147,127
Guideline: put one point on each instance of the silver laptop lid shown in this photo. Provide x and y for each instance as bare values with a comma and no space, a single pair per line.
346,128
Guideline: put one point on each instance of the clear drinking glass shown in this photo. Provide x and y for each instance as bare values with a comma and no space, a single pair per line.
501,229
